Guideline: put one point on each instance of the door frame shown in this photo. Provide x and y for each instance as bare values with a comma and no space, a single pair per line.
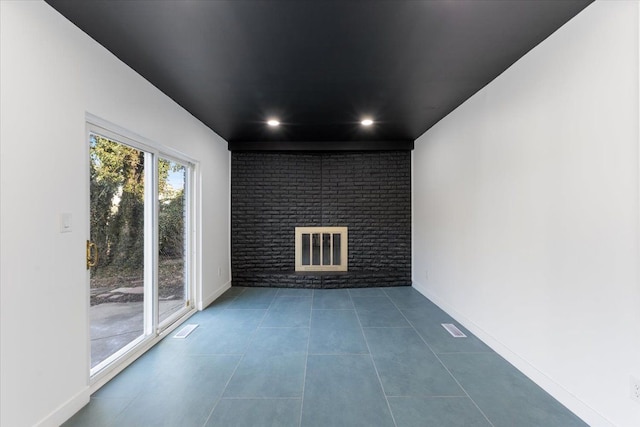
154,331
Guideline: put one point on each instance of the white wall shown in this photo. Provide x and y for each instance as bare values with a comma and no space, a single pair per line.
526,213
52,74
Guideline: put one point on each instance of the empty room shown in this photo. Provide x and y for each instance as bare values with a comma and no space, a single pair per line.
320,213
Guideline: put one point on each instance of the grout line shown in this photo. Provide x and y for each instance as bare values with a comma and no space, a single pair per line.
283,327
306,361
211,354
375,368
261,398
292,296
370,296
467,352
338,354
242,356
265,315
435,396
445,367
213,408
118,414
387,327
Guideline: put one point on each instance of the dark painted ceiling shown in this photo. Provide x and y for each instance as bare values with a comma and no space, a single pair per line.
319,66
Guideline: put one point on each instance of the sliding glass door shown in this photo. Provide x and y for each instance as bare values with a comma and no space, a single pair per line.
173,223
117,221
138,254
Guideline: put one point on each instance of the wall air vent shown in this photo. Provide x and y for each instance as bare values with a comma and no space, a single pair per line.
453,330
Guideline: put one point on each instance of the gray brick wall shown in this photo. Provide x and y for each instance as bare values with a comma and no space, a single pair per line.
272,193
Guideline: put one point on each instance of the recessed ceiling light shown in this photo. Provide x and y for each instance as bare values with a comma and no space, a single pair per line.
273,123
366,122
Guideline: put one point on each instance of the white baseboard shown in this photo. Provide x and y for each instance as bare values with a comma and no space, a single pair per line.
564,396
206,301
66,410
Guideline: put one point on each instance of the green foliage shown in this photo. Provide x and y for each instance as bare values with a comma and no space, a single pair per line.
171,227
117,206
171,220
117,203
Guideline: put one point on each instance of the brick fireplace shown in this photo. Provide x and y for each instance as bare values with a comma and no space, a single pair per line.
272,193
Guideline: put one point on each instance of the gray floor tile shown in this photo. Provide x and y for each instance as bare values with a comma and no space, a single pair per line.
284,302
279,341
256,412
148,410
407,297
295,292
268,376
227,333
205,375
406,365
428,323
425,315
222,302
234,291
384,317
217,341
395,341
440,412
372,303
334,299
336,332
367,292
334,319
400,290
414,374
248,319
505,395
100,412
343,391
289,312
214,311
130,382
256,298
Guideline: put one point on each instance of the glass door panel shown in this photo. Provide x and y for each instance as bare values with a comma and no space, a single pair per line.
173,286
117,228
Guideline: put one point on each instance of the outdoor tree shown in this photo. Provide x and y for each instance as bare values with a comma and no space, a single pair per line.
117,180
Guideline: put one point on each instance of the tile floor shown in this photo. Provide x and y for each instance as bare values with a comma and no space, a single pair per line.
298,357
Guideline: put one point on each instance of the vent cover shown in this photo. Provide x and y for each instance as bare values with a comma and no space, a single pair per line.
453,330
321,248
184,332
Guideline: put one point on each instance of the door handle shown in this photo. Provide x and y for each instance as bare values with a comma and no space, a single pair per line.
92,254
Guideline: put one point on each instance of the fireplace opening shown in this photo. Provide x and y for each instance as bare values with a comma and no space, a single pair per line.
321,248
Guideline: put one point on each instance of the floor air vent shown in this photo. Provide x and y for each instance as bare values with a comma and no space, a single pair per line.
184,332
453,330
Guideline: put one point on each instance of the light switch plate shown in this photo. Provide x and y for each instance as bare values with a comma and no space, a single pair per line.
66,225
